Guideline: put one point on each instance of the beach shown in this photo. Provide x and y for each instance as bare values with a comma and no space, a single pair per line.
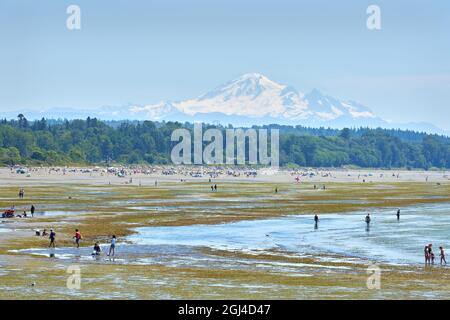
252,237
147,176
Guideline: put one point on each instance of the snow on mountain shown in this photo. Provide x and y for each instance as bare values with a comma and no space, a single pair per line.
251,95
155,112
251,99
255,96
328,108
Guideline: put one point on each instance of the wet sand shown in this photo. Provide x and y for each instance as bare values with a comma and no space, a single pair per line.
181,240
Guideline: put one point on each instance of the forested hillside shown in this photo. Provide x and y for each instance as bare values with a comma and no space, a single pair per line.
92,141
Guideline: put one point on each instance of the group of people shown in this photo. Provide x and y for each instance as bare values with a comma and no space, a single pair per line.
428,251
112,248
77,238
429,255
11,213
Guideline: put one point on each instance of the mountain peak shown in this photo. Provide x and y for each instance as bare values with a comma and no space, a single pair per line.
249,85
259,79
255,96
251,75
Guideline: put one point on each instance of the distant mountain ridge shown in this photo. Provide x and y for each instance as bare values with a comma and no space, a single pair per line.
251,99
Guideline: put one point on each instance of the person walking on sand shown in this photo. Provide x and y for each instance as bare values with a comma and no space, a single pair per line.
442,255
112,248
52,238
77,237
398,214
32,209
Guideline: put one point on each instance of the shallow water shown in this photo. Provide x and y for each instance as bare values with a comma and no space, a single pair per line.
387,239
60,213
345,235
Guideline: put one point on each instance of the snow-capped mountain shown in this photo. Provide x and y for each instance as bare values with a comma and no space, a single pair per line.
251,99
255,99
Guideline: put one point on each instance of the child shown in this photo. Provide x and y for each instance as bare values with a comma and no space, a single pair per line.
97,249
442,255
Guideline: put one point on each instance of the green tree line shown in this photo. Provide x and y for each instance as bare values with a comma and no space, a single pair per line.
91,141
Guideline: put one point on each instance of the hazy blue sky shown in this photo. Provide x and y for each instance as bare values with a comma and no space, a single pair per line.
142,52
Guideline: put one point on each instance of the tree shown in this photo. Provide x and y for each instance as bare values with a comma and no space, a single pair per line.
345,134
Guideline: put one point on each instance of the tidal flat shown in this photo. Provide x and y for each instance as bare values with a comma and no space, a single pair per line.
180,240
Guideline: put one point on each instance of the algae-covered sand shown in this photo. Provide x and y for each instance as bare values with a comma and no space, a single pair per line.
28,270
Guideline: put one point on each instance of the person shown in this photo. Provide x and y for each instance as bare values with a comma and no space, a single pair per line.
52,238
77,237
212,188
44,233
427,257
316,218
276,190
215,187
32,209
368,218
398,214
97,249
442,255
430,254
112,248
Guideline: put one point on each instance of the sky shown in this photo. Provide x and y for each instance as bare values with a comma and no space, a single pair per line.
142,52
